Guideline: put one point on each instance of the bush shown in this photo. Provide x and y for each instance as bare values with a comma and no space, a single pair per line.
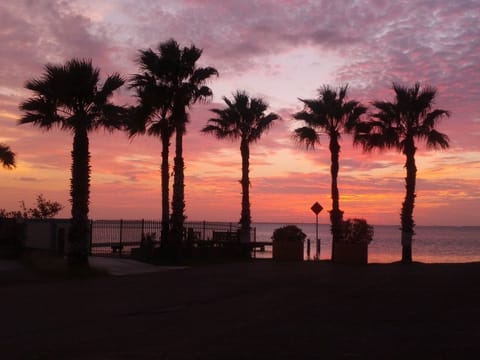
357,231
289,233
45,209
148,241
288,243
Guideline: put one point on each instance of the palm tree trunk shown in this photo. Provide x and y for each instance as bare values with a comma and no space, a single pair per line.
80,193
165,192
178,198
409,203
246,218
336,215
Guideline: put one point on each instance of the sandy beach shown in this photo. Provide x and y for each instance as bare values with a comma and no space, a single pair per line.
254,310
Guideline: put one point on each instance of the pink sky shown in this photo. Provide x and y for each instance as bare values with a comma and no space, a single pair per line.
279,50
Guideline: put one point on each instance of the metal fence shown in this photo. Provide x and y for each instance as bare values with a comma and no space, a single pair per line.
118,237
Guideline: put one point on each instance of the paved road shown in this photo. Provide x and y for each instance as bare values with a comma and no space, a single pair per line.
258,310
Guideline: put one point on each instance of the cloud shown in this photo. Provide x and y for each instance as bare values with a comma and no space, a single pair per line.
28,179
407,45
280,50
39,32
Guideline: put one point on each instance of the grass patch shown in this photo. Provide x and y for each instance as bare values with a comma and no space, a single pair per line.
55,266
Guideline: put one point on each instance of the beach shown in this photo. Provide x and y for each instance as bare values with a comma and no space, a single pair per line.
250,310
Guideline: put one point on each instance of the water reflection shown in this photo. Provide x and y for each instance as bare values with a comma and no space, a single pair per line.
431,244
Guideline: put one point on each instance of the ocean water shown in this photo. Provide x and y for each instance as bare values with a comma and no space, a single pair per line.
431,244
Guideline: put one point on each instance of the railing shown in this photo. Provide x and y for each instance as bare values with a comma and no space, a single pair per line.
118,237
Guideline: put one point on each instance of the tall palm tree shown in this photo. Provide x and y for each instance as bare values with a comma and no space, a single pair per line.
399,125
69,96
244,118
332,114
153,116
7,156
187,84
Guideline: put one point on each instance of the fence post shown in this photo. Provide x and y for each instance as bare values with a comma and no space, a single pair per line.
254,243
121,231
143,229
91,237
204,225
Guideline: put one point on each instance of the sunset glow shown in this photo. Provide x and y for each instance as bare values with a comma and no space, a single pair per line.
280,51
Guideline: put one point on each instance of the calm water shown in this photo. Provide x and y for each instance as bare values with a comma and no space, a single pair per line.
432,244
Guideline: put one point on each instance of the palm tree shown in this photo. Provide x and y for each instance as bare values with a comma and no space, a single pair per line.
187,84
398,125
244,118
331,113
7,156
69,96
153,116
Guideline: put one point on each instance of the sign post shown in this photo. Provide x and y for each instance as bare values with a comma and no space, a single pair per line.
316,208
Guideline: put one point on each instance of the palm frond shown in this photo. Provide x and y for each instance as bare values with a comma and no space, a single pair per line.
41,112
408,117
262,125
310,118
67,95
342,93
189,57
202,94
135,121
355,112
112,83
219,131
110,117
148,61
372,141
433,117
436,139
425,98
258,106
7,156
331,112
201,75
243,117
163,128
307,136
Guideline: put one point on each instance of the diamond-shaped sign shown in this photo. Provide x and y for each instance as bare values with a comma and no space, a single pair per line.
316,208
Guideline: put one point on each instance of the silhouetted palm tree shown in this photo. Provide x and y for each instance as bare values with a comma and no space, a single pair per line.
244,118
69,96
187,84
331,113
398,125
7,156
153,116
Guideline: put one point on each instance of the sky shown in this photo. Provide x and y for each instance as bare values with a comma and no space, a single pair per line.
278,50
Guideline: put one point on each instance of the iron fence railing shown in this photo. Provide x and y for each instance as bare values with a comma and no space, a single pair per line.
113,237
120,236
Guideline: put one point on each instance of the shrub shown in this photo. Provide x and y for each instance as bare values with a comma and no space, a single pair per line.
289,233
45,209
357,231
148,240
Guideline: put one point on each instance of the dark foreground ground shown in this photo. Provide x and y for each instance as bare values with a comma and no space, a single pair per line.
258,310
